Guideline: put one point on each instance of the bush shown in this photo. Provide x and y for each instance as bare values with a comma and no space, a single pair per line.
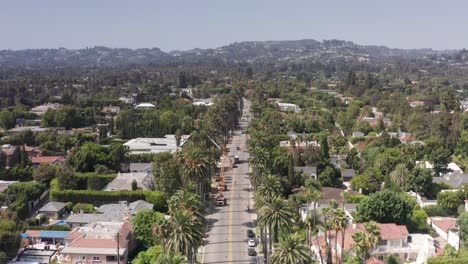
87,208
435,210
353,198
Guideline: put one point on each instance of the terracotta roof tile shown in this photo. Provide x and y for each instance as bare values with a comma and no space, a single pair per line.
47,159
445,224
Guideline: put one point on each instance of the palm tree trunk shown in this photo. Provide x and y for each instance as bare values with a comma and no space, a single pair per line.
336,245
342,245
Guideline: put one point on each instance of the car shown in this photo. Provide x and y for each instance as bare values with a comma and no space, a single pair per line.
251,242
250,233
252,252
234,165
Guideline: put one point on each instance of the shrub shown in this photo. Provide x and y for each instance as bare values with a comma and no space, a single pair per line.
87,208
435,210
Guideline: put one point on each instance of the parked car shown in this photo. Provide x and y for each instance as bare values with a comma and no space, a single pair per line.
252,252
250,233
251,242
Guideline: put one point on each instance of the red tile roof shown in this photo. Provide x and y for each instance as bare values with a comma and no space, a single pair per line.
446,224
33,233
47,159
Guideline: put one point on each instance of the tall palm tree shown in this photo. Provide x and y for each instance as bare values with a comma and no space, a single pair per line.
195,166
291,250
185,233
276,214
365,242
400,175
189,201
270,187
340,222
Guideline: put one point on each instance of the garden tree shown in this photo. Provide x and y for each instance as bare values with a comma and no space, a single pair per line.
10,230
353,160
363,184
337,143
324,147
44,173
291,249
18,173
94,183
420,181
149,256
143,224
449,100
116,156
87,157
68,117
462,223
438,155
363,127
418,223
66,178
399,175
386,161
48,119
134,185
450,201
365,242
166,173
190,201
393,260
172,258
291,169
339,223
7,119
269,188
83,208
311,155
384,207
3,258
330,177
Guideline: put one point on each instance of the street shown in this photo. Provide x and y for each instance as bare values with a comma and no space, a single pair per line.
228,225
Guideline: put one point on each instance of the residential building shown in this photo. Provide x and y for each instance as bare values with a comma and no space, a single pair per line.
155,145
11,154
123,181
446,228
456,180
4,185
131,99
416,103
348,174
141,167
288,107
111,109
32,151
34,129
51,160
204,102
43,238
42,109
35,256
358,134
100,242
394,240
298,144
145,106
109,213
54,210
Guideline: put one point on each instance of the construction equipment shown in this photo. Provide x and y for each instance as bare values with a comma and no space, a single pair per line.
220,199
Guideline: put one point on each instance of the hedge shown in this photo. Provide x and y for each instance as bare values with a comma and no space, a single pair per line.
103,179
447,260
50,227
98,198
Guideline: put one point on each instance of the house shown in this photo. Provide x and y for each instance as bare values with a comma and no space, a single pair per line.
128,99
358,134
416,103
42,109
204,102
327,194
11,155
446,228
32,151
51,160
464,105
298,144
53,210
42,238
456,180
348,174
141,167
123,181
155,145
111,110
309,171
34,129
286,107
99,242
394,240
109,213
145,106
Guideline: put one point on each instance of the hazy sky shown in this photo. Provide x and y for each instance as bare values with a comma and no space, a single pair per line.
176,24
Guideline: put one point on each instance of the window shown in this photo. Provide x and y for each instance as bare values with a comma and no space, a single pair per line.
96,258
382,242
111,258
81,258
410,239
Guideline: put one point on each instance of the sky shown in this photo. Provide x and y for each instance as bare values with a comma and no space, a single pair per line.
180,25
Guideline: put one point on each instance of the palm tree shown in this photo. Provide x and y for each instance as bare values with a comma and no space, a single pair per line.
365,242
185,233
291,250
340,222
400,175
269,188
195,166
276,214
189,201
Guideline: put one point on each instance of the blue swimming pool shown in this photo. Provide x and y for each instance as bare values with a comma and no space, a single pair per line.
61,222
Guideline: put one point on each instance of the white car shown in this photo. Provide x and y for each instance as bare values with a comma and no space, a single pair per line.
251,243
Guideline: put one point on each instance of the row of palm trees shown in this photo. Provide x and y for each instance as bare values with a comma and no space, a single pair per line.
183,231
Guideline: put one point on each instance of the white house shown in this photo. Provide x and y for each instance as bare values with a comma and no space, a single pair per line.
155,145
288,107
145,106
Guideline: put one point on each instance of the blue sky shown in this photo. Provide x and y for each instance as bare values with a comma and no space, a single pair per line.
177,24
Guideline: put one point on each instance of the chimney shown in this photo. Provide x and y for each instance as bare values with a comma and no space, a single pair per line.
354,226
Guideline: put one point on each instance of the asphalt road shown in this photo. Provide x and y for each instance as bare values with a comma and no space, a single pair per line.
227,236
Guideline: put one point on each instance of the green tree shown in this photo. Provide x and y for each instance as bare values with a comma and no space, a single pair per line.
419,222
399,176
450,201
166,173
66,179
330,177
143,224
365,242
149,256
44,173
277,215
7,119
463,225
384,207
291,249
